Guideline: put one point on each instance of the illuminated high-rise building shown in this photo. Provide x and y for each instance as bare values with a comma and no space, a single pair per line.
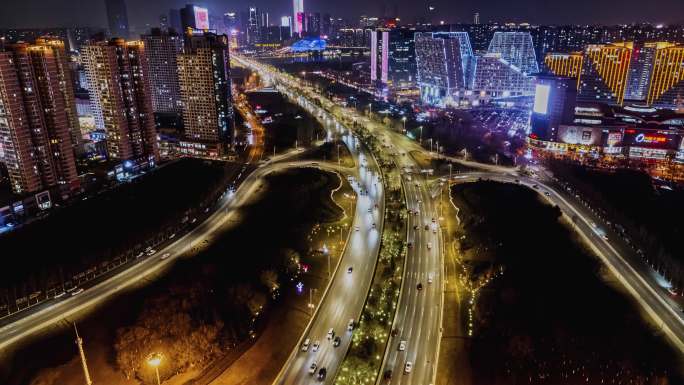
117,17
298,15
204,78
121,98
497,78
444,64
162,48
667,81
66,86
604,73
379,57
35,138
640,70
565,64
517,49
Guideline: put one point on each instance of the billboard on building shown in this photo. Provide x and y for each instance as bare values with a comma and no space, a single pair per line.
541,99
201,17
586,136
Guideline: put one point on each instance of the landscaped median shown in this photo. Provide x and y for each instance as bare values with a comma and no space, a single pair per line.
364,358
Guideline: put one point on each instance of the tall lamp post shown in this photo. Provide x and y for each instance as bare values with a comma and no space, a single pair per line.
154,360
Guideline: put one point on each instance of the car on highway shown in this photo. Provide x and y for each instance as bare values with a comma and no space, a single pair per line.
150,251
407,367
402,345
321,374
430,276
331,333
548,194
140,254
165,255
305,345
350,269
419,286
427,227
315,346
337,341
429,245
312,368
350,325
356,228
77,291
409,245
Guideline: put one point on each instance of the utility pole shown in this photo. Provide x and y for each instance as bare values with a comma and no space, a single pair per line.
79,343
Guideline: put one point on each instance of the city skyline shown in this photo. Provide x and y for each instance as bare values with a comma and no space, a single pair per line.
62,13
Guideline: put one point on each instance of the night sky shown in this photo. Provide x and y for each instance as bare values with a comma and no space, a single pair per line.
142,13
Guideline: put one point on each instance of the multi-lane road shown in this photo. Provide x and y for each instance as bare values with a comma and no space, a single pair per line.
417,324
346,293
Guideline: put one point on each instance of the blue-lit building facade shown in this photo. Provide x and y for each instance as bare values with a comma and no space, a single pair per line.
444,64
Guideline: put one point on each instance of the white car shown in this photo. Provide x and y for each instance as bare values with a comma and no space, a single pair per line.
77,291
429,245
350,325
315,346
331,334
312,368
305,345
402,346
430,278
166,255
408,366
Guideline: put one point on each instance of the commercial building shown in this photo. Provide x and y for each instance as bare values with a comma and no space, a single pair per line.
554,104
444,64
496,78
35,131
121,99
204,78
117,18
562,126
625,73
162,50
517,49
666,88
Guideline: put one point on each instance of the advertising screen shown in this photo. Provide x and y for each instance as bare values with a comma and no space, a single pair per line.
541,99
651,139
201,18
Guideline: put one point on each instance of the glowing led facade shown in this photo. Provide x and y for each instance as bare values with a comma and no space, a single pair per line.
379,56
517,49
667,81
566,65
497,78
604,73
444,64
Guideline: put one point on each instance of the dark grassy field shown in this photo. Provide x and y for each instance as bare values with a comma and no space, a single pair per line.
550,317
